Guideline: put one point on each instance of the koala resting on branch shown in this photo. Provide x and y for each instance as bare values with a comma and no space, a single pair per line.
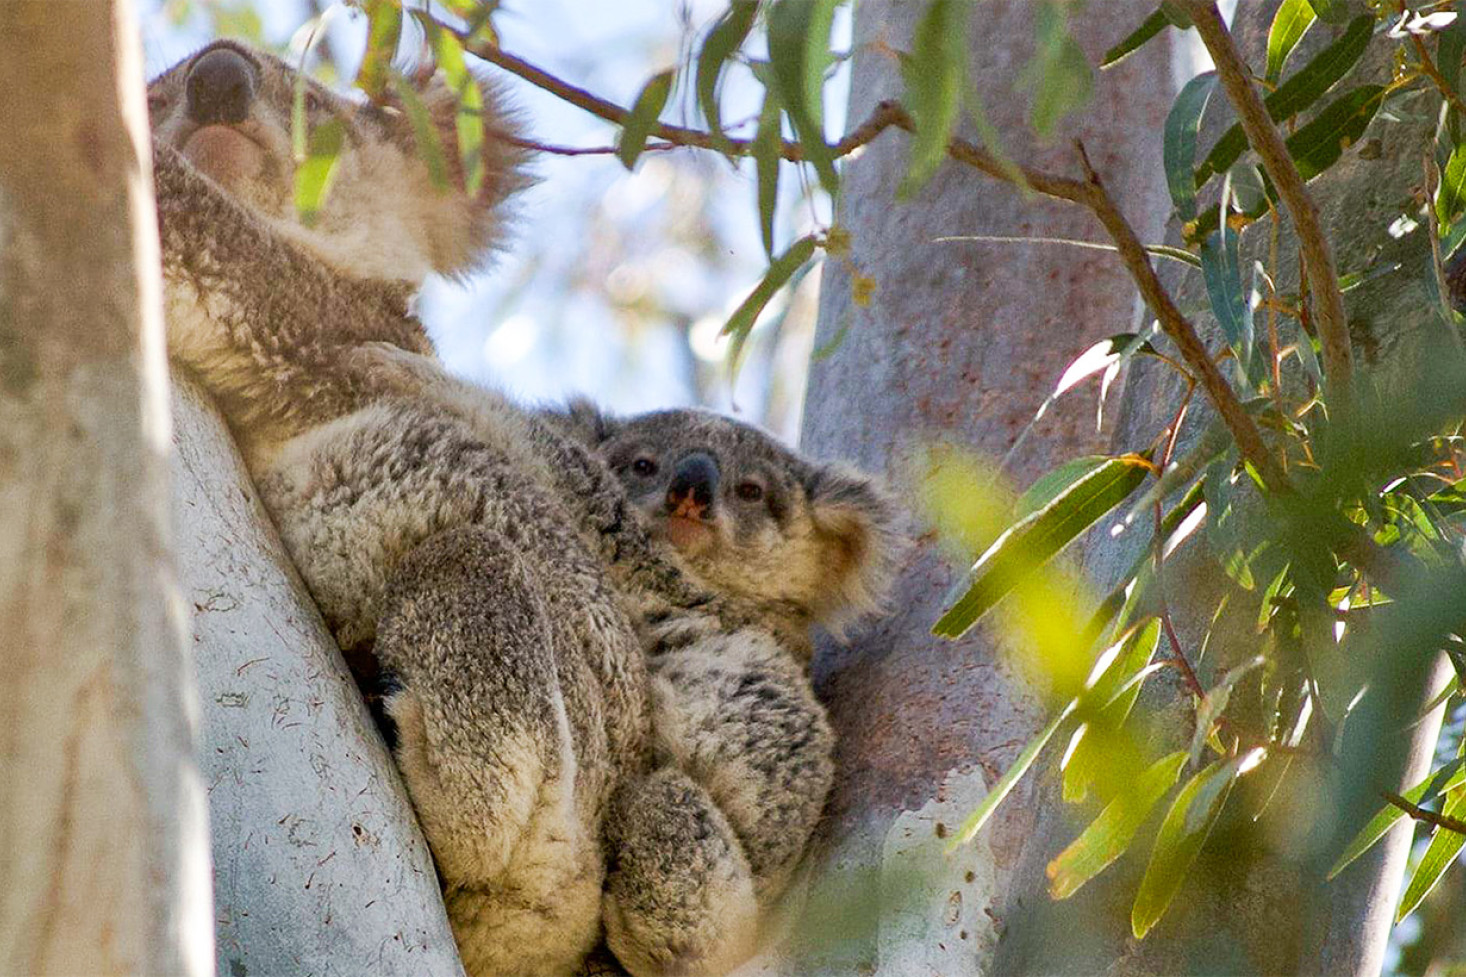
488,559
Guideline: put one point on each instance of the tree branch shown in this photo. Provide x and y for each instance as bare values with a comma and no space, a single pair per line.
1380,563
1318,256
1421,814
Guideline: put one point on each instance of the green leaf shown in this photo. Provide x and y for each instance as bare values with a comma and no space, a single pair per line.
384,30
1221,269
1290,23
1004,785
799,50
1316,146
1214,703
722,42
1110,834
1179,147
1046,487
768,143
1059,76
1299,92
1437,858
429,146
1450,48
1105,355
1450,196
468,120
643,118
1028,544
1150,27
740,323
1451,775
1112,691
1333,11
1181,837
315,175
934,74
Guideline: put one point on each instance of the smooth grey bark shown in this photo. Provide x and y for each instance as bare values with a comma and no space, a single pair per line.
102,829
960,344
319,864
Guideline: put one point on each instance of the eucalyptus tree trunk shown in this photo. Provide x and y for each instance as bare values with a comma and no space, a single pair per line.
960,343
102,829
319,864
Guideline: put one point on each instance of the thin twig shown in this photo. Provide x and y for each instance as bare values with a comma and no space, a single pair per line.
1421,814
1385,565
1178,656
1333,326
1427,65
1182,333
884,116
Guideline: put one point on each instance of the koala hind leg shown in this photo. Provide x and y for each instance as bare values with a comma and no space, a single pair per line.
485,747
679,895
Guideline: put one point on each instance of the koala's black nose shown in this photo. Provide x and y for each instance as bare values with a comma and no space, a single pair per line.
220,87
695,479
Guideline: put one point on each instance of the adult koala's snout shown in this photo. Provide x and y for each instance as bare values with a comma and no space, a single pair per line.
220,87
694,486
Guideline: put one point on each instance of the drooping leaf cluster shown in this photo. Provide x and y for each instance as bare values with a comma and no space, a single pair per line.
1380,461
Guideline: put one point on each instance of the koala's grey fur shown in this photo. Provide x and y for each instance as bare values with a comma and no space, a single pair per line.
487,555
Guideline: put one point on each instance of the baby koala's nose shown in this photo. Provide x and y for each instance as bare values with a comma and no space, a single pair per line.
694,485
220,88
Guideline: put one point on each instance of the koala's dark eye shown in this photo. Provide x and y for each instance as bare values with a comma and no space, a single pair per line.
313,102
644,467
750,491
157,103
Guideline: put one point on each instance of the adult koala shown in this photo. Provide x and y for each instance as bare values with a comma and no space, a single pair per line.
495,570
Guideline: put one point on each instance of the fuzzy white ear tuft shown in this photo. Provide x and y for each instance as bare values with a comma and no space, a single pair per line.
856,521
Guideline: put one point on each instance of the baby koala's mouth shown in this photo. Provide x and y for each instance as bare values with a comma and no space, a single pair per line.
690,534
225,153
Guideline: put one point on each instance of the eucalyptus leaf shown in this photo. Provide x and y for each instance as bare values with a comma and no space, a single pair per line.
1059,78
721,44
1179,146
799,51
384,31
1450,196
315,175
1005,784
1182,835
780,270
1290,23
1449,776
1150,27
1299,92
643,118
1110,834
935,74
768,143
1029,543
1441,855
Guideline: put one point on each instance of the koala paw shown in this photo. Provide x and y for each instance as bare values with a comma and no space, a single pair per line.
679,897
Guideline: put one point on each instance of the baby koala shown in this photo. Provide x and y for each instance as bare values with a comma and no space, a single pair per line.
736,728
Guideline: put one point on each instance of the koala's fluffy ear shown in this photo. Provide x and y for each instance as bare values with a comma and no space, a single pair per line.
474,226
857,523
582,420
